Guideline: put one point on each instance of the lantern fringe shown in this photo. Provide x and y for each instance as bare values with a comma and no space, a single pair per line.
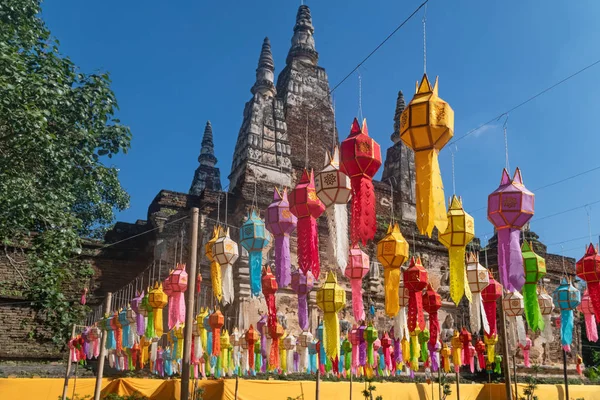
431,201
566,328
490,312
476,316
415,312
357,301
415,350
337,224
510,259
459,285
490,344
176,309
302,312
547,332
364,221
591,328
308,246
255,263
594,292
158,322
331,334
400,324
391,279
227,279
533,314
150,331
282,260
434,328
274,354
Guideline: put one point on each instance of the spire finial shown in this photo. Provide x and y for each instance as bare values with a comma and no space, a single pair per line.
207,152
400,106
265,71
303,42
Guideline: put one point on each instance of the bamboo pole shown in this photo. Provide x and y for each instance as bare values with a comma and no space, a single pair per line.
503,338
317,386
66,386
456,370
189,310
102,356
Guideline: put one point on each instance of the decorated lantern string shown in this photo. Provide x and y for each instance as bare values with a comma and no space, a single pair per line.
566,298
281,223
253,238
157,300
358,266
535,270
302,283
426,125
415,279
333,188
510,207
331,298
587,308
392,252
490,295
588,269
478,278
546,307
174,286
360,158
432,302
305,205
514,308
215,269
269,288
458,234
226,252
216,321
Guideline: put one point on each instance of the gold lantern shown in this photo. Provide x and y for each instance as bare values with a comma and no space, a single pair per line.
331,298
392,252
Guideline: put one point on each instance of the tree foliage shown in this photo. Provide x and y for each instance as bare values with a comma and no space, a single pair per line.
57,133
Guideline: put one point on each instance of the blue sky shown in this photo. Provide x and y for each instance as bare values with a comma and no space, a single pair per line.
175,66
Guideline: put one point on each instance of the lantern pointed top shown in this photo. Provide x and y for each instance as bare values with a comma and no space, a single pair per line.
355,129
304,178
276,194
526,246
591,250
471,258
335,157
455,203
364,130
330,277
517,177
284,196
424,86
505,180
327,158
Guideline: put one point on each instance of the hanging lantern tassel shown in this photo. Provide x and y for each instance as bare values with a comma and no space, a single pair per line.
360,158
215,270
216,321
253,238
331,298
510,207
276,332
281,223
358,266
514,308
588,269
480,349
302,284
525,349
305,205
566,298
289,343
370,336
457,347
432,302
157,300
226,252
587,308
269,288
579,365
490,295
426,125
303,343
478,278
174,286
251,339
415,279
392,252
136,306
458,234
445,355
400,320
546,307
333,189
535,270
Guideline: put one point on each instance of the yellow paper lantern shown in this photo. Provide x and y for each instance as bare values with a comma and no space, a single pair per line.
426,125
392,252
215,268
158,300
331,298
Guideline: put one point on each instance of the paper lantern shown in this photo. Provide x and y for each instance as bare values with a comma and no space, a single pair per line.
446,354
147,311
432,302
458,234
305,205
226,252
588,269
370,335
216,321
174,286
136,306
302,284
566,299
480,349
281,223
468,354
289,343
215,268
157,300
261,327
392,252
253,238
303,343
546,307
509,208
269,288
252,337
478,279
276,332
333,188
535,270
124,322
360,158
331,298
489,295
456,346
514,307
358,266
400,320
587,308
426,125
415,280
525,350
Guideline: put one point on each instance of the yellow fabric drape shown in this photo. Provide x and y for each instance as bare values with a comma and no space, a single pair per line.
415,350
405,350
392,282
490,346
459,284
215,268
431,204
331,334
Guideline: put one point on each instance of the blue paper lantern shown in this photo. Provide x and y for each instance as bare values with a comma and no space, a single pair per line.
566,298
253,237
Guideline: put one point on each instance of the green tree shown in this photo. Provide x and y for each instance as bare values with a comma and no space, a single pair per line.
57,132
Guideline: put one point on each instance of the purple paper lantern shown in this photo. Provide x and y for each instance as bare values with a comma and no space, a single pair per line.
281,222
302,285
509,208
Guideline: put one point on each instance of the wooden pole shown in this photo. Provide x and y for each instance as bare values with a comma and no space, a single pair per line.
189,307
505,367
68,371
102,356
350,383
440,379
456,369
317,387
515,375
236,386
565,374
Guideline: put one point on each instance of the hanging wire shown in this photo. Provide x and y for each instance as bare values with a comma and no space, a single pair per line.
506,143
226,205
485,249
333,135
562,251
392,206
453,176
425,40
306,144
360,110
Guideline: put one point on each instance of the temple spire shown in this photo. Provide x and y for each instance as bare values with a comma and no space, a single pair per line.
400,106
207,176
265,71
207,152
303,42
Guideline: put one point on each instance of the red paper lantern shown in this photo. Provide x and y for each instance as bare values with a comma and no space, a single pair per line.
432,302
588,269
216,321
490,295
415,280
360,158
305,205
358,266
269,288
251,337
